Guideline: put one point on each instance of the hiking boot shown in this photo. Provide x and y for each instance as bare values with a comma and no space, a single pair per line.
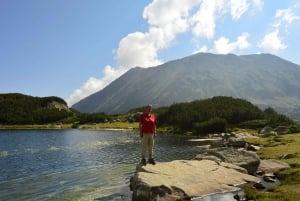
143,161
151,161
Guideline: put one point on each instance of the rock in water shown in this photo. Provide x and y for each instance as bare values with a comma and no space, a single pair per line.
185,179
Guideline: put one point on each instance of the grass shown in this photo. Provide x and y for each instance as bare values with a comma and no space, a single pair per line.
274,147
36,126
113,125
108,125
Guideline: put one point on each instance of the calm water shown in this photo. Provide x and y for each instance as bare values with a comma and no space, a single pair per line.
76,164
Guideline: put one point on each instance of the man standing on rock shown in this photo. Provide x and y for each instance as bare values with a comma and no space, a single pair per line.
147,127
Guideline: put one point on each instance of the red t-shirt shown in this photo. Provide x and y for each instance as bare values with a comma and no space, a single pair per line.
148,123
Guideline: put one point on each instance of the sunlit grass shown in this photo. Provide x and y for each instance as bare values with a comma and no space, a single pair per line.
275,147
280,193
113,125
36,126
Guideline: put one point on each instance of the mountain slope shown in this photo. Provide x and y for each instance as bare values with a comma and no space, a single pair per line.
263,79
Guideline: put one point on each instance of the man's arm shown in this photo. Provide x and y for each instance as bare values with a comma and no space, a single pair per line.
140,127
155,122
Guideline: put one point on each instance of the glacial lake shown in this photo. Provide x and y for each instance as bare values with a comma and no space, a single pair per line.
76,164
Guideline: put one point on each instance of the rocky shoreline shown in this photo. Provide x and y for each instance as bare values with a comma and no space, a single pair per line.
213,170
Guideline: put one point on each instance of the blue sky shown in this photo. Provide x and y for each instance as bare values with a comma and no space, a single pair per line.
73,48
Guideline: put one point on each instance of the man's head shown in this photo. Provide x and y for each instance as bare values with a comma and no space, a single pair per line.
148,109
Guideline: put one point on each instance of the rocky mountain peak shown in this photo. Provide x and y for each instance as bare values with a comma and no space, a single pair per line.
263,79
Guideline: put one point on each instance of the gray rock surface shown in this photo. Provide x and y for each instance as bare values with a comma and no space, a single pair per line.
271,165
245,159
185,179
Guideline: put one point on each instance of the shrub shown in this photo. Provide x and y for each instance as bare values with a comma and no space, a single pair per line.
214,125
253,124
280,120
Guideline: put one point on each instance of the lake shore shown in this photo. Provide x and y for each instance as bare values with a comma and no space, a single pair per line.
95,126
114,125
282,147
273,150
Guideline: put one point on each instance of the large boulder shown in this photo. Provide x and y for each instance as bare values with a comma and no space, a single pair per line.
245,159
266,131
184,180
236,142
277,131
272,165
282,130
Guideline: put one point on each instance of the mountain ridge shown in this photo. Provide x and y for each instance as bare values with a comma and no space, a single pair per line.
263,79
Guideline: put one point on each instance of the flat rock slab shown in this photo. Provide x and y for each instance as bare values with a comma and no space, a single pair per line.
205,139
186,179
272,165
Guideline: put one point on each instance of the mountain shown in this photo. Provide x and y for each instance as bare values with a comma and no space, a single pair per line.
263,79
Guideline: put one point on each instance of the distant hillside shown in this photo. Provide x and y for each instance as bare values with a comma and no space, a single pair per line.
23,109
213,115
263,79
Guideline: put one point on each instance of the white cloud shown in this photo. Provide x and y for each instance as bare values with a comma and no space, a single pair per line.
286,16
238,8
138,49
166,20
162,13
283,18
258,4
223,46
272,42
89,87
203,21
201,49
93,84
242,41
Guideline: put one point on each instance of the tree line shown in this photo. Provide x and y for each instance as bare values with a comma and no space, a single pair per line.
18,108
218,114
204,116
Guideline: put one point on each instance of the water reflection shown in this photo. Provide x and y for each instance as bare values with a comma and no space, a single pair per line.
76,164
227,196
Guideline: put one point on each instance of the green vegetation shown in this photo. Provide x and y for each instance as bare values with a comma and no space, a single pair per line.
215,125
219,114
18,109
111,125
214,115
275,147
23,109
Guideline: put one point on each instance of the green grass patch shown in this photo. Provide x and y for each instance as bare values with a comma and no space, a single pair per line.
281,193
36,126
113,125
275,147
